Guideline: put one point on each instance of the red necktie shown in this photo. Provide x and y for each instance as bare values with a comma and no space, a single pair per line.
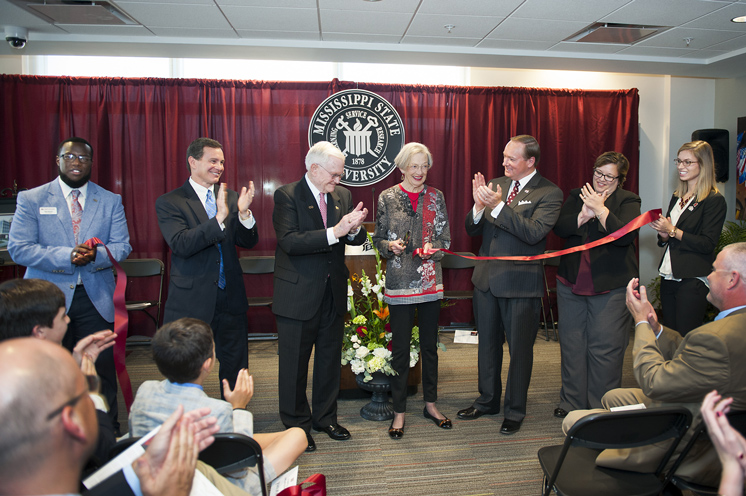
322,206
76,211
512,193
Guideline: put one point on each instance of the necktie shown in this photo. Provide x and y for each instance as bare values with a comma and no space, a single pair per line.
512,193
76,211
322,206
212,209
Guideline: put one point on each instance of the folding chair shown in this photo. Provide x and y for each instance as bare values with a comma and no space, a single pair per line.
259,265
570,469
453,262
145,267
229,453
551,262
738,421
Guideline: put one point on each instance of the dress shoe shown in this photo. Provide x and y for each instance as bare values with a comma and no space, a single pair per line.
335,431
510,427
311,444
470,413
444,423
560,412
396,433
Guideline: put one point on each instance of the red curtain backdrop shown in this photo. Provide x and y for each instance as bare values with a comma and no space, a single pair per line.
140,130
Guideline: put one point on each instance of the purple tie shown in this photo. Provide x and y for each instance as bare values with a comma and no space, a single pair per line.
322,205
76,211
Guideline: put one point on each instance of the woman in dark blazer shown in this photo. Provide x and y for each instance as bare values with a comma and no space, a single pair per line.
689,231
593,319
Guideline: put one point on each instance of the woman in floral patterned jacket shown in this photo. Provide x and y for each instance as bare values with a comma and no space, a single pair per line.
412,215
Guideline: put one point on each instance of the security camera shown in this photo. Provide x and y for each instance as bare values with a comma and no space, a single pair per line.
16,37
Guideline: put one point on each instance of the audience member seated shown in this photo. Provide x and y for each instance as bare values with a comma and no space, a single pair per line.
184,352
48,431
729,443
674,370
36,307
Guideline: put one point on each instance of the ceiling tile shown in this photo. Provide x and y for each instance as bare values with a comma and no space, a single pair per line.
721,19
279,35
465,26
272,19
568,10
705,54
655,51
536,30
401,6
661,12
469,7
371,23
440,40
734,44
361,38
108,30
515,45
570,46
700,38
290,4
199,33
167,16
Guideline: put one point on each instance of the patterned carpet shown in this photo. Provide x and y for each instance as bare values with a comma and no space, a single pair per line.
471,459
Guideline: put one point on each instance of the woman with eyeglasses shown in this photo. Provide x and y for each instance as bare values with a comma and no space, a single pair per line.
413,215
594,322
689,232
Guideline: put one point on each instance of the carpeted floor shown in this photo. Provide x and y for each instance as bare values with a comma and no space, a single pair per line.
471,459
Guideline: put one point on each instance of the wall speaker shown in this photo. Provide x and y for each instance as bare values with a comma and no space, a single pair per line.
718,140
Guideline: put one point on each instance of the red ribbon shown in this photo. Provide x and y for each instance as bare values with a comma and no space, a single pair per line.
317,489
121,321
635,223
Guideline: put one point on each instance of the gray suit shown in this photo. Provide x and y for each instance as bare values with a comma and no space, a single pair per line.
507,293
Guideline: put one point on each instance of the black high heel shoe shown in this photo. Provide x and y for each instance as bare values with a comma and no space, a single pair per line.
444,423
396,433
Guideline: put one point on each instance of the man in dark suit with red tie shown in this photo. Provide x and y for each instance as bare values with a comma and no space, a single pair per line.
202,225
314,219
513,214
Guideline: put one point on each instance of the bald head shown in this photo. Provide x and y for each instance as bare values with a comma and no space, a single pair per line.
36,376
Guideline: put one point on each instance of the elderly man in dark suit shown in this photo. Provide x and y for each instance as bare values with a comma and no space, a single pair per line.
513,214
314,219
202,225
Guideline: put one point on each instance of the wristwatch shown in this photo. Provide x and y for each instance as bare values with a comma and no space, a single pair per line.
672,233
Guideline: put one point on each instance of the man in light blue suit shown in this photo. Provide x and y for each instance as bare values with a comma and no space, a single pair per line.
49,228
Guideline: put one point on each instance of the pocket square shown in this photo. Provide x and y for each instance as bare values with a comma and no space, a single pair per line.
524,202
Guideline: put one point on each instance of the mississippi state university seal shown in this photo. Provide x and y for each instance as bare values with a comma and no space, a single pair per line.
366,128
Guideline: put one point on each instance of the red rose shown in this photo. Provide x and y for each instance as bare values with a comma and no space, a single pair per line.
361,331
390,346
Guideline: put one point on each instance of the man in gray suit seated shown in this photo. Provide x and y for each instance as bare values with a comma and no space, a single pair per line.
679,371
513,214
184,352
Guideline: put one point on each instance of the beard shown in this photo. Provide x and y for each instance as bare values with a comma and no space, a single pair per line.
75,183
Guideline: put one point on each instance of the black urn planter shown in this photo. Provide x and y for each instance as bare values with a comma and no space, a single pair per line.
379,408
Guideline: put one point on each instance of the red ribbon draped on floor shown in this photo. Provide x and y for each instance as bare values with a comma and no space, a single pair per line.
635,223
120,325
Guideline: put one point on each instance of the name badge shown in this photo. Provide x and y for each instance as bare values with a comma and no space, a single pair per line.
47,210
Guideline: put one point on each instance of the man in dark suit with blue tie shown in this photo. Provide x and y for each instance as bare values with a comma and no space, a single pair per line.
49,229
314,219
202,225
513,214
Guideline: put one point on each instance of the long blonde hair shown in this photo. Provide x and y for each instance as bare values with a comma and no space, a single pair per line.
706,183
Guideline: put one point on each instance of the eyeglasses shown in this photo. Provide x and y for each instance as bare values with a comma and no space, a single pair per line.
334,176
685,163
601,175
70,157
419,168
92,383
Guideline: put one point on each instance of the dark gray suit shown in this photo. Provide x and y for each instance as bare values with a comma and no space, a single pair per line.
310,300
507,293
195,264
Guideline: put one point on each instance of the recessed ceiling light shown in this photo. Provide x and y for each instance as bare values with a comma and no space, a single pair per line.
739,19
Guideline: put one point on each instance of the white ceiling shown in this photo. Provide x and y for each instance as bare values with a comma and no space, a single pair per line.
487,33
